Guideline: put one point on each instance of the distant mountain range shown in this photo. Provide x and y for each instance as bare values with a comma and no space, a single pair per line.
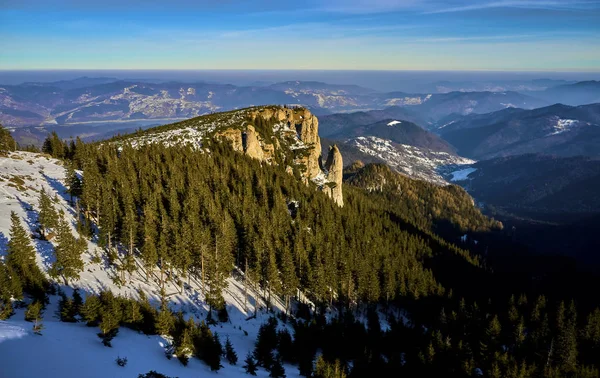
557,129
584,92
537,183
98,100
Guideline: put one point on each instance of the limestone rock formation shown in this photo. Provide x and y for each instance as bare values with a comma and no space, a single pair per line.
234,137
248,142
301,127
306,126
335,167
251,144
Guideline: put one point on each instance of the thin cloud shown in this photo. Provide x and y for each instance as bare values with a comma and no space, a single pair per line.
526,4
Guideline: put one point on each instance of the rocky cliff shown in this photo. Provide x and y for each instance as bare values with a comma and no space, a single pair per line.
278,135
334,167
288,137
306,126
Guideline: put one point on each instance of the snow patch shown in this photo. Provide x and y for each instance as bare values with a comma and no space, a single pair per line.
462,174
563,125
394,123
415,162
10,331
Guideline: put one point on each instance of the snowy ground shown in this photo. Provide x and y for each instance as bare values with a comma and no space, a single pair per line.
415,162
462,174
563,125
74,350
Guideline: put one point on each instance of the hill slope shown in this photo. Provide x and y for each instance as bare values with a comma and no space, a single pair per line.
557,129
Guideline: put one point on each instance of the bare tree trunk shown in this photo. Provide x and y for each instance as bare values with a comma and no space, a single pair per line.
203,274
162,272
246,286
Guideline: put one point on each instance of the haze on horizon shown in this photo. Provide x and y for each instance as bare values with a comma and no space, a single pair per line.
497,35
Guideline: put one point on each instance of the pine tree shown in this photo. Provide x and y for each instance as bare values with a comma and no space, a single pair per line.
110,317
21,257
230,354
54,146
91,309
48,218
250,365
74,186
68,263
288,278
220,263
77,302
128,233
213,353
34,314
184,346
323,369
566,341
7,143
277,369
164,321
10,287
66,309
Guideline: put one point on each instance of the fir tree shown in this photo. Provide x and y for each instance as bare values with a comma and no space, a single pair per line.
48,218
7,143
110,317
91,310
277,369
230,353
68,250
323,369
66,309
164,321
213,353
21,257
74,186
54,146
34,314
250,365
184,346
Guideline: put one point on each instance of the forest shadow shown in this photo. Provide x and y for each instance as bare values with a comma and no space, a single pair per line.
62,191
3,244
45,248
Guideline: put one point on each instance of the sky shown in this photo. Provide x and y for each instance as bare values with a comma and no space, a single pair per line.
495,35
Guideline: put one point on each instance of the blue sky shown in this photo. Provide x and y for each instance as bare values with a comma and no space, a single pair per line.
264,34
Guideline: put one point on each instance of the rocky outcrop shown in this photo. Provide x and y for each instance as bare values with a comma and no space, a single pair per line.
306,126
248,142
234,137
334,167
298,132
252,145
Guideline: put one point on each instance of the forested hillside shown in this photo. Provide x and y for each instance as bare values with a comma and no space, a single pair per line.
391,296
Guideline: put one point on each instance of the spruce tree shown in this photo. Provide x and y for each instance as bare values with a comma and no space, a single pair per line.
21,257
34,314
48,217
250,365
91,310
66,309
230,353
7,143
184,346
110,317
10,287
74,186
277,369
68,250
164,321
213,353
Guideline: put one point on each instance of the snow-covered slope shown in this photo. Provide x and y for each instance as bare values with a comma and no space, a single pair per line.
415,162
67,350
